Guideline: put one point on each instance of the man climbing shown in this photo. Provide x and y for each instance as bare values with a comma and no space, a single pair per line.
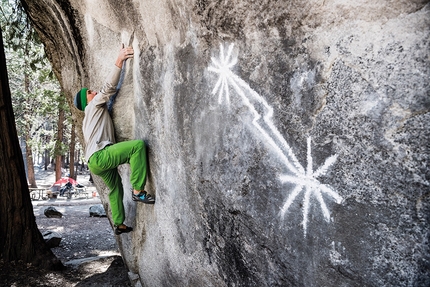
103,154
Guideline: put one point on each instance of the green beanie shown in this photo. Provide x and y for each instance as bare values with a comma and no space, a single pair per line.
81,99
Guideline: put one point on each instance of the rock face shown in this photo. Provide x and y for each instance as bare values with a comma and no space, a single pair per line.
288,140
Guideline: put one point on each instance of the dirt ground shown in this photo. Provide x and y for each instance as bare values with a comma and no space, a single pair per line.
88,248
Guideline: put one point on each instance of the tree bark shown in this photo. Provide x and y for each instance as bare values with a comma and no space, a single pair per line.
58,145
30,165
46,159
29,153
72,153
20,239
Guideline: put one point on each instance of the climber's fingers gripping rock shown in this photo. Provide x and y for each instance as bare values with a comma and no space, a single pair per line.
124,54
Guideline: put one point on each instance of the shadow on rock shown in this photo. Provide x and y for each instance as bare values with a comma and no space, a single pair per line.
115,274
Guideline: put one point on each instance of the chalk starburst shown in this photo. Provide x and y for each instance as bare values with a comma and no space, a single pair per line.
306,180
222,67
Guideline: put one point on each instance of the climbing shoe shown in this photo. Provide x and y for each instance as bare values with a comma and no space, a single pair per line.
119,231
144,197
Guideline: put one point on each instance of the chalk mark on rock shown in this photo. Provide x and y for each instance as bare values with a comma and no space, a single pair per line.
303,179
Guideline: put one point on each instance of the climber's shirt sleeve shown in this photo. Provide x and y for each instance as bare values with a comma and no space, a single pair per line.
97,126
109,88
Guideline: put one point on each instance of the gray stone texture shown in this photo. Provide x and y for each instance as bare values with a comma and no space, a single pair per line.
97,210
52,212
331,190
52,238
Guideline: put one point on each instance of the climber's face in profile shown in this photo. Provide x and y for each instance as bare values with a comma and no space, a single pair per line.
90,95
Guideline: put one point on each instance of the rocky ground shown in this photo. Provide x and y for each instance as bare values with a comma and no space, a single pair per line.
88,248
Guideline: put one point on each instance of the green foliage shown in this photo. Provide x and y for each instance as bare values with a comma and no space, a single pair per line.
36,94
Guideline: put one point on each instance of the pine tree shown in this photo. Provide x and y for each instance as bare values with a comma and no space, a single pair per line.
20,238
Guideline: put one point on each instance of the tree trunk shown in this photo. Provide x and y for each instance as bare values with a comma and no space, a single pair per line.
30,165
46,155
72,153
77,161
58,145
20,238
29,153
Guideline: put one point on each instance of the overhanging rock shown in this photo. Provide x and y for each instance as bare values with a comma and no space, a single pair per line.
288,140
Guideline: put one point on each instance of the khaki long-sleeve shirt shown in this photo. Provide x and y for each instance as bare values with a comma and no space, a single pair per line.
97,125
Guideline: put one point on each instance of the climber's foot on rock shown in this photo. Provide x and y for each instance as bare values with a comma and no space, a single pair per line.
123,229
144,197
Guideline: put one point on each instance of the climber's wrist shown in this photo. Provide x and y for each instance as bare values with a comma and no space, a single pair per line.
119,62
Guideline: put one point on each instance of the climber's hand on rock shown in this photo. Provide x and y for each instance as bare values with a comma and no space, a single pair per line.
124,54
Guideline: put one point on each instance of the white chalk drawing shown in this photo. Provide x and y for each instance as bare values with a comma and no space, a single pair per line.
304,180
308,181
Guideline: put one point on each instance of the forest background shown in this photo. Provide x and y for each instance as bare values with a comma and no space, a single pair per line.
43,118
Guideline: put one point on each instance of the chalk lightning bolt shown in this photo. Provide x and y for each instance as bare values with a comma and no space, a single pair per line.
303,179
271,134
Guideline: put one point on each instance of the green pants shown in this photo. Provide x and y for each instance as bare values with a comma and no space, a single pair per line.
104,163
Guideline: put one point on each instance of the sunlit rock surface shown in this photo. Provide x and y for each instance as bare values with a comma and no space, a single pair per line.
288,140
